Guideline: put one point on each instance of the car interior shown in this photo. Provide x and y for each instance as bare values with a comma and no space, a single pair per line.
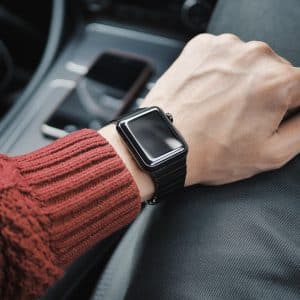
67,65
72,64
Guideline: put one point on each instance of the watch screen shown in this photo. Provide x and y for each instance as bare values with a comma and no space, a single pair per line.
154,136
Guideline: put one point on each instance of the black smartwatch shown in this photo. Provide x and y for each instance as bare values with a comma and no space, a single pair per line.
158,148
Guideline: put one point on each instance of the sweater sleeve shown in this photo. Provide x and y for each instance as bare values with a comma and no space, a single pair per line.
55,203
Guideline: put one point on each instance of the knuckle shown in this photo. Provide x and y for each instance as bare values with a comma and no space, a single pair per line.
200,38
228,37
195,43
259,47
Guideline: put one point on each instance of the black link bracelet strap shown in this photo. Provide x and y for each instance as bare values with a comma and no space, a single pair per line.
168,179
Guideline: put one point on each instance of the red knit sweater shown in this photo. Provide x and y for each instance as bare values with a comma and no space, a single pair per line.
55,203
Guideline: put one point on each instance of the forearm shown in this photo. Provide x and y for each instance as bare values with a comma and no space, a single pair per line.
56,203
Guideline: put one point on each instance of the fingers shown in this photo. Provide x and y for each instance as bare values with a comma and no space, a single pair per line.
285,143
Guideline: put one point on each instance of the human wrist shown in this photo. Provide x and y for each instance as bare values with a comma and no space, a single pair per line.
141,178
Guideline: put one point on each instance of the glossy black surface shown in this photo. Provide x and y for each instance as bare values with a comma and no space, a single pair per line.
152,137
101,94
117,72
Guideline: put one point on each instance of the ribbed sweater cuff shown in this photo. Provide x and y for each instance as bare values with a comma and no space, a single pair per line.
83,188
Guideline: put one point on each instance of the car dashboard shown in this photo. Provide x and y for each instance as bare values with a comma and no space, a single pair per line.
153,32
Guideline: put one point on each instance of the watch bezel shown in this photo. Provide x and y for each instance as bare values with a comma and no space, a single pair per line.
133,145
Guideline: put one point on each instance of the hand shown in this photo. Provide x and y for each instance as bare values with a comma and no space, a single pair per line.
228,99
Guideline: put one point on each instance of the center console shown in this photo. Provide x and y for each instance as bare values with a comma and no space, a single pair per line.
73,68
107,67
180,17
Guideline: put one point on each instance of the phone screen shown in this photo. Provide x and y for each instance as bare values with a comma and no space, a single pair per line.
111,84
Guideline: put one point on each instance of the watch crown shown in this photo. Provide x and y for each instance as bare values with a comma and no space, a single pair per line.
170,117
153,201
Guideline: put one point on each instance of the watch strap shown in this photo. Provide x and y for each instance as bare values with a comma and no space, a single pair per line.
168,179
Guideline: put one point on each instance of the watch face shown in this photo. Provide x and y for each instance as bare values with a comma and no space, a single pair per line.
151,137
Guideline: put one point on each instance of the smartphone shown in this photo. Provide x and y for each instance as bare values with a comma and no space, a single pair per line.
105,93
